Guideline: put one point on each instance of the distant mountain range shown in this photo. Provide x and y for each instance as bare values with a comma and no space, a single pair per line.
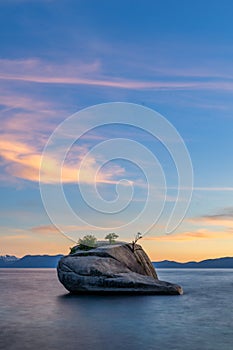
30,261
50,261
221,263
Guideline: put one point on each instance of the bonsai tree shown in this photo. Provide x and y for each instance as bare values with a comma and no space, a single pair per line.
87,242
137,237
111,237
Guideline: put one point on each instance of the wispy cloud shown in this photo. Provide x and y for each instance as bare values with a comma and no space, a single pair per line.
214,189
216,226
205,189
108,82
192,235
37,71
23,160
221,219
26,123
11,100
51,229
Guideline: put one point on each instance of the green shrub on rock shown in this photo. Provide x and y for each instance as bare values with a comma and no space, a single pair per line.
87,242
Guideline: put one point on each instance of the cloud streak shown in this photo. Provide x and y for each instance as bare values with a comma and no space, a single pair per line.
37,71
221,227
51,229
22,160
221,219
192,235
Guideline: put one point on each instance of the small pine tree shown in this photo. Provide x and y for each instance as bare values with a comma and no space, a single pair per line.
111,237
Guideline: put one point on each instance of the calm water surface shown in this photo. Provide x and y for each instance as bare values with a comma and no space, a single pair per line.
36,312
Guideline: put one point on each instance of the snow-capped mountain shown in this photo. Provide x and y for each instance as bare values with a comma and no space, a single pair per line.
8,258
33,261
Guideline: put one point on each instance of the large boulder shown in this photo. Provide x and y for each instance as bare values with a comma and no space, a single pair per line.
116,268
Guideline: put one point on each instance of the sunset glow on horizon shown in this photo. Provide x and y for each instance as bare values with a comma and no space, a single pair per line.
58,58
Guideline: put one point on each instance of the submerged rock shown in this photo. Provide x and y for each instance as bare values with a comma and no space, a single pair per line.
111,269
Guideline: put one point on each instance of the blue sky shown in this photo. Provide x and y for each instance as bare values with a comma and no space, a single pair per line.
58,57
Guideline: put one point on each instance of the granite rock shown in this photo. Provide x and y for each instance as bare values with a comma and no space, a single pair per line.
112,269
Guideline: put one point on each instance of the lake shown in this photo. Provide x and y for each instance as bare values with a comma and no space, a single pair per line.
36,312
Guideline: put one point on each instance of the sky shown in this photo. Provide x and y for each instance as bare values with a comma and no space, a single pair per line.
59,57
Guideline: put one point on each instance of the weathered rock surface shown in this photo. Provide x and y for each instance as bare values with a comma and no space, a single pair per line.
112,269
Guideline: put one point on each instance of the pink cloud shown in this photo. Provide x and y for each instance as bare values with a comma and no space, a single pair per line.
117,83
22,160
12,100
34,70
51,229
192,235
213,221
